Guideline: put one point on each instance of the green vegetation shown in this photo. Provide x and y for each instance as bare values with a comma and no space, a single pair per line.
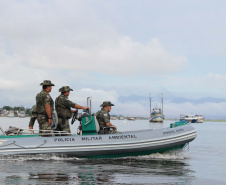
16,110
21,108
214,120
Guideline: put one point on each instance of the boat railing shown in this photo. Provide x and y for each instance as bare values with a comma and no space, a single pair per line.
45,132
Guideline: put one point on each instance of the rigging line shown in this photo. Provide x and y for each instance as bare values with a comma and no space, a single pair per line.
45,141
8,144
14,142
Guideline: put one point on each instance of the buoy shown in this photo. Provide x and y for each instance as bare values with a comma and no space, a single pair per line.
124,122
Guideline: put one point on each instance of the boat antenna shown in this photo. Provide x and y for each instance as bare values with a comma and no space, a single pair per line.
162,103
150,102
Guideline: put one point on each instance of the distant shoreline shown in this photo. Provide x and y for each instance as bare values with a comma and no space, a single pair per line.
206,120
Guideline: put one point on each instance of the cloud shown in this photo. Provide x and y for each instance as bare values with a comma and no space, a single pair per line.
217,80
122,57
71,44
70,36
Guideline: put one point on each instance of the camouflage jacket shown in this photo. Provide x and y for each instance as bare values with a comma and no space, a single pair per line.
42,99
63,106
103,117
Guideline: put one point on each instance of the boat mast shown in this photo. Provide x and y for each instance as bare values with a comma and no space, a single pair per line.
150,103
162,103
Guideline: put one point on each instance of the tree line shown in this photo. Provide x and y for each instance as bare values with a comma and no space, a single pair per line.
18,109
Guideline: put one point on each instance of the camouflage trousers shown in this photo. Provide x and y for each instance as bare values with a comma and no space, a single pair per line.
63,125
44,125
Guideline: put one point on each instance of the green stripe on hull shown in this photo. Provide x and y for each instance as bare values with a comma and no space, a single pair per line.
127,154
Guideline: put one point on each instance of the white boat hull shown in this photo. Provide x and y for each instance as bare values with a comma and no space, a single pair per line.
157,118
99,146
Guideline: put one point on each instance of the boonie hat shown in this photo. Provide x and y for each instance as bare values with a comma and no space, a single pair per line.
106,103
65,89
47,82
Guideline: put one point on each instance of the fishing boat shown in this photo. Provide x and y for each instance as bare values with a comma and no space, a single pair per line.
88,144
156,114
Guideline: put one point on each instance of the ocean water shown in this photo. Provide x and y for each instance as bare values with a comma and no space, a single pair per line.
202,162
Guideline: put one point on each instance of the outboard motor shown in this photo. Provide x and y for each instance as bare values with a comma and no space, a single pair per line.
84,114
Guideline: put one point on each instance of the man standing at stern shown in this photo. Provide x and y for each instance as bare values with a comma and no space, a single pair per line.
34,116
63,107
44,107
103,119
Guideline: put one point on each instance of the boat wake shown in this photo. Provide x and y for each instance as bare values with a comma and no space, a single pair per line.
172,155
38,157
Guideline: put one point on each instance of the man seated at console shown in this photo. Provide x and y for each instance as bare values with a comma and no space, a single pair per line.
103,118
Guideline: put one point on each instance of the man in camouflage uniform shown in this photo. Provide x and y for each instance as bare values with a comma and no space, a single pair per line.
34,116
63,107
103,118
44,106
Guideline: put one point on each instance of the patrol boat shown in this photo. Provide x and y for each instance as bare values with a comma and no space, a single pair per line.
88,144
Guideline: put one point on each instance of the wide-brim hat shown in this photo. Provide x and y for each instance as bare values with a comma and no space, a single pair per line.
106,103
65,89
47,82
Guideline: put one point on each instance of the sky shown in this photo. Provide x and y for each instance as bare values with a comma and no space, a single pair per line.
119,51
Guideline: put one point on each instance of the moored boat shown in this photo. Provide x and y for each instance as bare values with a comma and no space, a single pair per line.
11,114
114,118
156,114
131,118
190,118
200,118
22,114
121,118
